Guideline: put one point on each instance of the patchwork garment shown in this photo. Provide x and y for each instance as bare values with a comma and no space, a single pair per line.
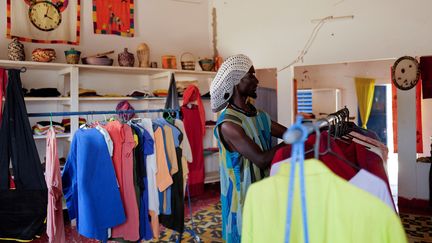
237,172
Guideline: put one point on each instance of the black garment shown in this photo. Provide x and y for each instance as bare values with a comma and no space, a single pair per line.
44,92
22,211
175,221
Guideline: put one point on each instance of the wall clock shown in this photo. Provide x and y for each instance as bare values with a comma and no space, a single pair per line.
405,73
44,21
45,15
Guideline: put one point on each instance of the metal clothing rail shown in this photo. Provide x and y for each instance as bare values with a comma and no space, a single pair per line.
78,113
191,231
290,137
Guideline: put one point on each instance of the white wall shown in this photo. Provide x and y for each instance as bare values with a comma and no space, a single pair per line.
273,33
341,76
413,176
168,27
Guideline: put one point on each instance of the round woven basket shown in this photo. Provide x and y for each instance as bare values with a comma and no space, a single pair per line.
187,64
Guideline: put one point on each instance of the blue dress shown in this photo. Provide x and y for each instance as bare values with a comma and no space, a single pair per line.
90,186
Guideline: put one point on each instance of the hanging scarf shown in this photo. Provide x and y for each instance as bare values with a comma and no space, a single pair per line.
192,94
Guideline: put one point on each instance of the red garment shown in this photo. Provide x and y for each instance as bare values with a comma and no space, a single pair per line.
366,159
192,94
3,83
426,76
191,120
124,143
55,225
339,167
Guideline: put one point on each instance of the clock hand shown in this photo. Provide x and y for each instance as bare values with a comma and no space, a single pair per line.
46,16
46,13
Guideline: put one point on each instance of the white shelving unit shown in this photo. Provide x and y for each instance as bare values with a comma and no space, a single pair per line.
68,79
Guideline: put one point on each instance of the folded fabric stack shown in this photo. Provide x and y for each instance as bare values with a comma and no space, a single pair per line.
141,94
160,92
66,123
42,127
43,92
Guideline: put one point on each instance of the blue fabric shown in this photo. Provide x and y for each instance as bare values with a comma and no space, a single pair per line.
297,157
146,232
145,141
175,130
159,124
90,186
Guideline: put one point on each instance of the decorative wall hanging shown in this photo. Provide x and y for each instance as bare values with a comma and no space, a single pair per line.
405,73
44,21
113,17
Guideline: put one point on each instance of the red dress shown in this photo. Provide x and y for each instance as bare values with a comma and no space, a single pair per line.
192,125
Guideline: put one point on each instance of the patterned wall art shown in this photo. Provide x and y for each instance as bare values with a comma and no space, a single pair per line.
44,21
113,17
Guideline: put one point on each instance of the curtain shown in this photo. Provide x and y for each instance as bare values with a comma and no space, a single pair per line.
365,90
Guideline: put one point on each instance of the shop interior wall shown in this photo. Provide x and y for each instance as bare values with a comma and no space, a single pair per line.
341,76
166,26
274,32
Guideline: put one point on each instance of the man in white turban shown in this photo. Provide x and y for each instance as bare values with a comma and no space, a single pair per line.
244,138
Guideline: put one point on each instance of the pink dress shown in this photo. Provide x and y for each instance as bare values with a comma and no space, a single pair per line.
55,225
124,143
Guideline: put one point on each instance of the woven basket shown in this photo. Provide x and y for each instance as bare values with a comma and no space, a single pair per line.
187,64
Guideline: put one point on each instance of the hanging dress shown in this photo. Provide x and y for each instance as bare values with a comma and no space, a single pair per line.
194,124
23,210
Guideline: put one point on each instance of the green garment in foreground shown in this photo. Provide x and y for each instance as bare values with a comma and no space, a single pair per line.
338,212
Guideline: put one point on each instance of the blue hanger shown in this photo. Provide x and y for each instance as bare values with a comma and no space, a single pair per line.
297,156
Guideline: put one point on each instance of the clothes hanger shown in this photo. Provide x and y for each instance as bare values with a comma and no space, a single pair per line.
328,150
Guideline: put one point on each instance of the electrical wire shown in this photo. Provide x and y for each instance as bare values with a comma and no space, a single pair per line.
309,42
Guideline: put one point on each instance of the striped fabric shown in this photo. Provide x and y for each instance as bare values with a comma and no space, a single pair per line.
237,172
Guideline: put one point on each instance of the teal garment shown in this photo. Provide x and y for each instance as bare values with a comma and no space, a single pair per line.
237,172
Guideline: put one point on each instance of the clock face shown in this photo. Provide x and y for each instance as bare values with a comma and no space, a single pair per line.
405,73
45,16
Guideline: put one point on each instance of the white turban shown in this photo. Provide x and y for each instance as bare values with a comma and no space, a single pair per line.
229,74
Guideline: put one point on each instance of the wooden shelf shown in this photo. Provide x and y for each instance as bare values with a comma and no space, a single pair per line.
139,70
34,65
47,98
62,135
125,70
101,98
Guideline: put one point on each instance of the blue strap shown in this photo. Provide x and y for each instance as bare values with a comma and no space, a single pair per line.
297,156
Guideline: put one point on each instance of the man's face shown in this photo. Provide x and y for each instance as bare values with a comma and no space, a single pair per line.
248,84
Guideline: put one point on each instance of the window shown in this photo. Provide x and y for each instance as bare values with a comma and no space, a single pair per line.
304,100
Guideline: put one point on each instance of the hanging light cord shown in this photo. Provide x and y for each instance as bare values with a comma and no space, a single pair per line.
312,38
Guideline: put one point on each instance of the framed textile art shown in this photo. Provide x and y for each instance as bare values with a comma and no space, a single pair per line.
113,17
44,21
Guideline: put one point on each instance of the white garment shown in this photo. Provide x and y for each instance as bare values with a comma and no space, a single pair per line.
186,153
275,167
151,168
107,138
372,184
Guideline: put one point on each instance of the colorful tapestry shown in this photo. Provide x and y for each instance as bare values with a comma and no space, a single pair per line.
113,17
50,22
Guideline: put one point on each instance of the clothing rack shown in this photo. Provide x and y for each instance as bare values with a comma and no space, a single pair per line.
292,136
177,111
78,113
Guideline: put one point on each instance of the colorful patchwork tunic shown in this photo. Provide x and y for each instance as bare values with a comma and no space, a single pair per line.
237,172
